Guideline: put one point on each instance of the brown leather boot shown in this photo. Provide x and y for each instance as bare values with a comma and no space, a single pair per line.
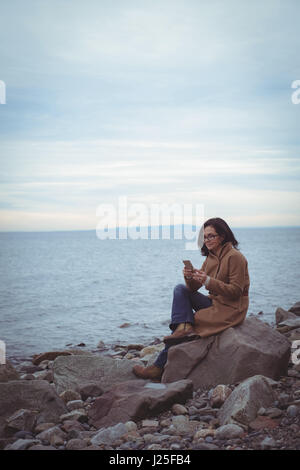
150,372
181,334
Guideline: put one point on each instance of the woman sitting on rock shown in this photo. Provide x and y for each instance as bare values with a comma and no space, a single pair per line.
224,274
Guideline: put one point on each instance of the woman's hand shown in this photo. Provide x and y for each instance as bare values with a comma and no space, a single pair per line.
187,273
199,275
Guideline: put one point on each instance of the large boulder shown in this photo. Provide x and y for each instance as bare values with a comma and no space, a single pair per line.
73,372
35,395
137,399
247,398
235,354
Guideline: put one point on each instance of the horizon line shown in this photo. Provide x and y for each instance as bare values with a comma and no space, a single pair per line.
146,226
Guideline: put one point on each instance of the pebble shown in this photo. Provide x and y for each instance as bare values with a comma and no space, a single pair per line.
205,446
148,423
292,411
131,426
229,431
74,405
109,435
180,424
175,446
178,409
268,443
76,444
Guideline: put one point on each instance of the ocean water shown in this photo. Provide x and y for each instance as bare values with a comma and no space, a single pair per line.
60,288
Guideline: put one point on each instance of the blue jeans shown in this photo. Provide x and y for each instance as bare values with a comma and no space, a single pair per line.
184,302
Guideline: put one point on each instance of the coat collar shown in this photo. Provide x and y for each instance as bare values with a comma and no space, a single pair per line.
222,250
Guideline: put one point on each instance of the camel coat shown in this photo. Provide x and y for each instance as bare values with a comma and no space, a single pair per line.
228,289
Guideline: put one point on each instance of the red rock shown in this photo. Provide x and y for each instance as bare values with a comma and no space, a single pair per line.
262,422
50,356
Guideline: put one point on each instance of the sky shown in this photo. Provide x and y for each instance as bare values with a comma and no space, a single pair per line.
161,102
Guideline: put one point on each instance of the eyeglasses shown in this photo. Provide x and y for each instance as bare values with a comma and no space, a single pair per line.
210,237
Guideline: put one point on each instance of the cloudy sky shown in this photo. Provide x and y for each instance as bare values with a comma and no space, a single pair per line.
161,102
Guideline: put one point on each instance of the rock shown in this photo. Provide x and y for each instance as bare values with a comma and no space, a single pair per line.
293,373
21,444
77,415
289,324
27,367
27,377
246,399
203,433
219,395
292,411
205,446
72,425
109,435
150,423
55,436
131,426
295,309
281,315
261,411
294,335
90,390
154,447
263,422
149,350
43,426
44,375
180,424
73,372
252,348
76,444
69,395
36,395
178,409
268,443
273,412
8,372
41,447
137,399
23,435
229,431
50,356
21,420
74,405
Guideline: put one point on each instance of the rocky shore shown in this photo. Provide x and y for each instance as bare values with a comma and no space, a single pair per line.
89,400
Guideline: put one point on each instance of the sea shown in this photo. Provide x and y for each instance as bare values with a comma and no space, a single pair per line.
64,288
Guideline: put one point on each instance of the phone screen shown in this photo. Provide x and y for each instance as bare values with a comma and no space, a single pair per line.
188,264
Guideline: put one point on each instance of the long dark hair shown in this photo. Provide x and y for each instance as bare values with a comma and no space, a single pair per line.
222,229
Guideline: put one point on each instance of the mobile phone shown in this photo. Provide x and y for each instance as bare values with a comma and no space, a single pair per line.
188,264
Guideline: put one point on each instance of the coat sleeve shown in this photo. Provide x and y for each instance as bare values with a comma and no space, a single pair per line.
236,280
192,284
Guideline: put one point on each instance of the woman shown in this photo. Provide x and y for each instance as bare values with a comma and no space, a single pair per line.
224,274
